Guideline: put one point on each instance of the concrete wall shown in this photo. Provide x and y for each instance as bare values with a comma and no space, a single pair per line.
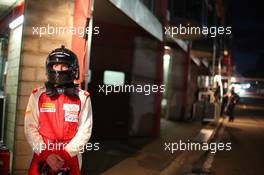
175,109
143,73
141,15
135,53
3,58
111,51
31,72
11,87
192,89
195,71
175,84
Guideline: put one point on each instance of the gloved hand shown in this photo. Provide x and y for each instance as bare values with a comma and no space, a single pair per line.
55,162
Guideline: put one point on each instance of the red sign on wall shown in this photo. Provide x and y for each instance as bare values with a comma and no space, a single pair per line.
82,12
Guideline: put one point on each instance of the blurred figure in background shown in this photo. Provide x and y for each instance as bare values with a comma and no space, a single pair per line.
224,102
232,101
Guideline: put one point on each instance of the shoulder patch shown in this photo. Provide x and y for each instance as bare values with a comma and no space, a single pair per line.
86,93
28,112
35,90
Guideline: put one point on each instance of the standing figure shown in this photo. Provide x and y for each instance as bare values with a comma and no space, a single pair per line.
224,103
232,101
58,119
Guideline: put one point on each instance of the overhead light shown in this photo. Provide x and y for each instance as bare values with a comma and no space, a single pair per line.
246,86
16,22
167,47
233,79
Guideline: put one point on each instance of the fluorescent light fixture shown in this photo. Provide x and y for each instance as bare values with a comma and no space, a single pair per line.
16,22
114,78
167,47
246,86
166,57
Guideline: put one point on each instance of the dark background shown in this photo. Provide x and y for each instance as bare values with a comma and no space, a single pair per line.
246,19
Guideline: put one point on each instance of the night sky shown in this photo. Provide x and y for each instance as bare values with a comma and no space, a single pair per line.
247,21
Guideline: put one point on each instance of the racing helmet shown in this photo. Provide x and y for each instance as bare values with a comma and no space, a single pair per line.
63,56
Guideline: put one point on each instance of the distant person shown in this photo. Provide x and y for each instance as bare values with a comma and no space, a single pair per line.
224,103
232,101
217,93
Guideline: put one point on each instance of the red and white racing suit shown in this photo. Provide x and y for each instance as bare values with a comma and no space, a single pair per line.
58,124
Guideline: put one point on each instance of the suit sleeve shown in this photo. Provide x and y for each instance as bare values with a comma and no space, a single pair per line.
77,144
31,124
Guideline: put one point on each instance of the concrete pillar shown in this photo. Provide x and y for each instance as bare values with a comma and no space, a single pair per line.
144,69
176,85
11,87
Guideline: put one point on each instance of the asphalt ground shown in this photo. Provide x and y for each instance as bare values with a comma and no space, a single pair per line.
246,134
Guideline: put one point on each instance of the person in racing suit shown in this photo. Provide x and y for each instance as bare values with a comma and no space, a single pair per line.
58,119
